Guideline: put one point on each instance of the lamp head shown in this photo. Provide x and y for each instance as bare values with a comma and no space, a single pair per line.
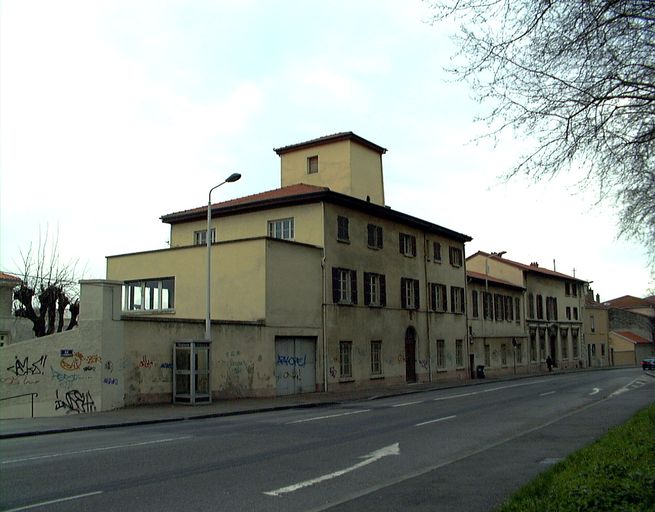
235,176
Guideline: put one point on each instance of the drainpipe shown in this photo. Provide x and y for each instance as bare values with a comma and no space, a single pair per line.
324,328
426,249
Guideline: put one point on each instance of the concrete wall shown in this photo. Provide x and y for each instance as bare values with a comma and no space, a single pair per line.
623,320
73,372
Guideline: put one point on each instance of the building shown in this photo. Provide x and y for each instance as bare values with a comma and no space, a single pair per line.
596,332
645,306
629,348
12,328
497,334
554,307
632,329
331,288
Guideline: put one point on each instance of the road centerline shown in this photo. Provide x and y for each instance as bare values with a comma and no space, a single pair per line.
52,502
328,416
435,420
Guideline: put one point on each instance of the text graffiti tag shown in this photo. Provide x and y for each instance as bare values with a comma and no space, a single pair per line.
23,368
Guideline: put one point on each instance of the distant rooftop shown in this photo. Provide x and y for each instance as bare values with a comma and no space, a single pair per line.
533,267
633,338
629,301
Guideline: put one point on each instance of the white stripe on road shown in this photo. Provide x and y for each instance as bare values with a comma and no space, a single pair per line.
548,393
91,450
595,391
50,502
408,403
455,396
435,421
392,449
316,418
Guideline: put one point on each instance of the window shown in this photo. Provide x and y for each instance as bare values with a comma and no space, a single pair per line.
343,234
376,358
375,289
503,354
441,355
344,286
312,164
455,256
200,237
519,353
487,306
602,349
542,345
540,307
517,309
345,359
574,338
565,348
149,295
407,244
533,346
575,313
474,304
593,323
571,288
531,305
567,288
568,312
438,297
499,306
410,298
459,353
282,228
509,308
375,238
456,299
551,308
487,355
436,250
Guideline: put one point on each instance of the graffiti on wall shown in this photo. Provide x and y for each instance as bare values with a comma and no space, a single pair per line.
75,361
297,361
144,362
74,401
23,368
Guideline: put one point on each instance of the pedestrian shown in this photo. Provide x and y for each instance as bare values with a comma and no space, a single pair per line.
549,363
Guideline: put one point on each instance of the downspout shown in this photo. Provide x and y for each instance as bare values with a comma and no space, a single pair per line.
466,309
427,303
324,327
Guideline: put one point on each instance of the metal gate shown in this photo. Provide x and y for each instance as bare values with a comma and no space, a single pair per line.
295,365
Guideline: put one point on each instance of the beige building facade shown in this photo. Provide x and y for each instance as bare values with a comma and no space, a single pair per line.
554,308
334,289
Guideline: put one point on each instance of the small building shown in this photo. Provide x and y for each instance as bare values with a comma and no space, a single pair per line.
596,333
628,348
12,328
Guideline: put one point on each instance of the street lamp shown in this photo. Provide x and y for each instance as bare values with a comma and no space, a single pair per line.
230,179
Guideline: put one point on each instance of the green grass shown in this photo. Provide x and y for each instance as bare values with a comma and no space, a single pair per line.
616,473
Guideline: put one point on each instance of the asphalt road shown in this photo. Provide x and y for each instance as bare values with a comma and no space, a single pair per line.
459,449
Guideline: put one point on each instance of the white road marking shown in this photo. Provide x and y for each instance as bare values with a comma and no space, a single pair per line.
595,391
435,421
316,418
454,396
91,450
513,386
50,502
408,403
548,393
392,449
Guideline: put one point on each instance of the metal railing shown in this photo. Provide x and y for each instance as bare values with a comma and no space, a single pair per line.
24,394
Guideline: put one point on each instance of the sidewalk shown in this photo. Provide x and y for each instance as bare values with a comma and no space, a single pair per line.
162,413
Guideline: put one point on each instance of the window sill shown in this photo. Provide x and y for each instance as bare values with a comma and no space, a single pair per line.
139,312
343,241
374,248
442,370
345,380
377,377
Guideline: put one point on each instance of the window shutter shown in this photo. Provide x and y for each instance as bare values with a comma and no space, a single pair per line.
403,296
353,287
452,299
367,287
335,285
461,300
379,233
417,294
400,243
413,246
383,290
371,230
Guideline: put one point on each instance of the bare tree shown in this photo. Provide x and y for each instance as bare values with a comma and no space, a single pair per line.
47,289
577,78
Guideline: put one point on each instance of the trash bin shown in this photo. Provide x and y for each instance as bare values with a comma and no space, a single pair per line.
479,372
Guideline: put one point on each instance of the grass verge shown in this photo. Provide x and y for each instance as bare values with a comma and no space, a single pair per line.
615,473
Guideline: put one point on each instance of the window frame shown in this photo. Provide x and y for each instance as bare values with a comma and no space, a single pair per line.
407,245
376,358
344,286
343,229
410,295
345,359
439,297
200,236
312,164
457,304
456,256
148,301
289,222
375,296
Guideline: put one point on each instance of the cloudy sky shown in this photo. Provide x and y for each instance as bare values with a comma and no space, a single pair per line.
113,113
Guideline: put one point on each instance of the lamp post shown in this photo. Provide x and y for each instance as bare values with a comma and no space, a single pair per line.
230,179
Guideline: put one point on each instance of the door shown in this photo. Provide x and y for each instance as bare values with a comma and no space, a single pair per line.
410,354
553,349
295,365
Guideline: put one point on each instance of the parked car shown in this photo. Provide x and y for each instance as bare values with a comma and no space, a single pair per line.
648,363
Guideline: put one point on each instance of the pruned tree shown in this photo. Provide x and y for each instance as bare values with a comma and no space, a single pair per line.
47,290
577,79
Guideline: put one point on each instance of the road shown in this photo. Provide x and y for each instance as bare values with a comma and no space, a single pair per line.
459,449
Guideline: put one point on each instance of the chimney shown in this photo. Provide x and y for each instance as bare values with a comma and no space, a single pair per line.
534,264
597,297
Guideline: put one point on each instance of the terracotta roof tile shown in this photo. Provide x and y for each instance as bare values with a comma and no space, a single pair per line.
326,139
629,301
529,268
9,277
633,338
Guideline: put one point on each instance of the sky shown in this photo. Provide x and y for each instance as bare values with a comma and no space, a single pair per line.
114,113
